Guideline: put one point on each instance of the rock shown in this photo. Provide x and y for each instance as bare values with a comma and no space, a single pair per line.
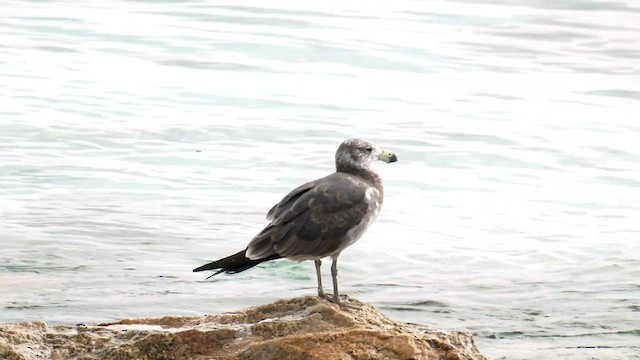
300,328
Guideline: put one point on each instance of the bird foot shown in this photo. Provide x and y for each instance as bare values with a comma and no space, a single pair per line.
337,301
349,306
327,297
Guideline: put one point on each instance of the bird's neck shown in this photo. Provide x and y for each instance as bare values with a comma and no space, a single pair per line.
368,174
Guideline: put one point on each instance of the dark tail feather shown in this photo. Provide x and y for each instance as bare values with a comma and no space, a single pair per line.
234,264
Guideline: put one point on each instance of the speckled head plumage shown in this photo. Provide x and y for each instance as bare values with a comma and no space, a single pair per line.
360,154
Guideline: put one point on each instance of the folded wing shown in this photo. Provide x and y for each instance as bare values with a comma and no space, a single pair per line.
314,219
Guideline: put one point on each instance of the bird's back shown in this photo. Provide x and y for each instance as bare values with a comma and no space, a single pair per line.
318,219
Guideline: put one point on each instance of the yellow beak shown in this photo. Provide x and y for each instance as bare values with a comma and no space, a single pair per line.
387,156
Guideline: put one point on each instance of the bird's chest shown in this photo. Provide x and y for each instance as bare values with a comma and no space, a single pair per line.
373,199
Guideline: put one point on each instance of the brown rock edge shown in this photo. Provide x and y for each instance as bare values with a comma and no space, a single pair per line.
299,328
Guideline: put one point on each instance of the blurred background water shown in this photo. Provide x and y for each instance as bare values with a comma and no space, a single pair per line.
139,139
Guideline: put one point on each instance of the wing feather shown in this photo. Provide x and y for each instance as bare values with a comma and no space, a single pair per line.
313,219
291,198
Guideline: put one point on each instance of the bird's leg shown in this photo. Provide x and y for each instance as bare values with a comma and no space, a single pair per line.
334,276
320,289
336,296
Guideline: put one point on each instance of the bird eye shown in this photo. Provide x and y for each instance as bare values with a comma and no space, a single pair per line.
369,149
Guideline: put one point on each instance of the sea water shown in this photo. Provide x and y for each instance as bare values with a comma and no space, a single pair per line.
140,139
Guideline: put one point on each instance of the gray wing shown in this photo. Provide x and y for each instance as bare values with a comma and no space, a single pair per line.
313,219
288,200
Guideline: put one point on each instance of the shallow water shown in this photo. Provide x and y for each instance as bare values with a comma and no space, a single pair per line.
139,139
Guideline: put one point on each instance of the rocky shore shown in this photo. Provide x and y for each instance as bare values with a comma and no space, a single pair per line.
299,328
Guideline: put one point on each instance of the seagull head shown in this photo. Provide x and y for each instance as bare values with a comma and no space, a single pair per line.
361,154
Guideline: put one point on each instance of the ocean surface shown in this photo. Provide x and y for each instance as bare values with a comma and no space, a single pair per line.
140,139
